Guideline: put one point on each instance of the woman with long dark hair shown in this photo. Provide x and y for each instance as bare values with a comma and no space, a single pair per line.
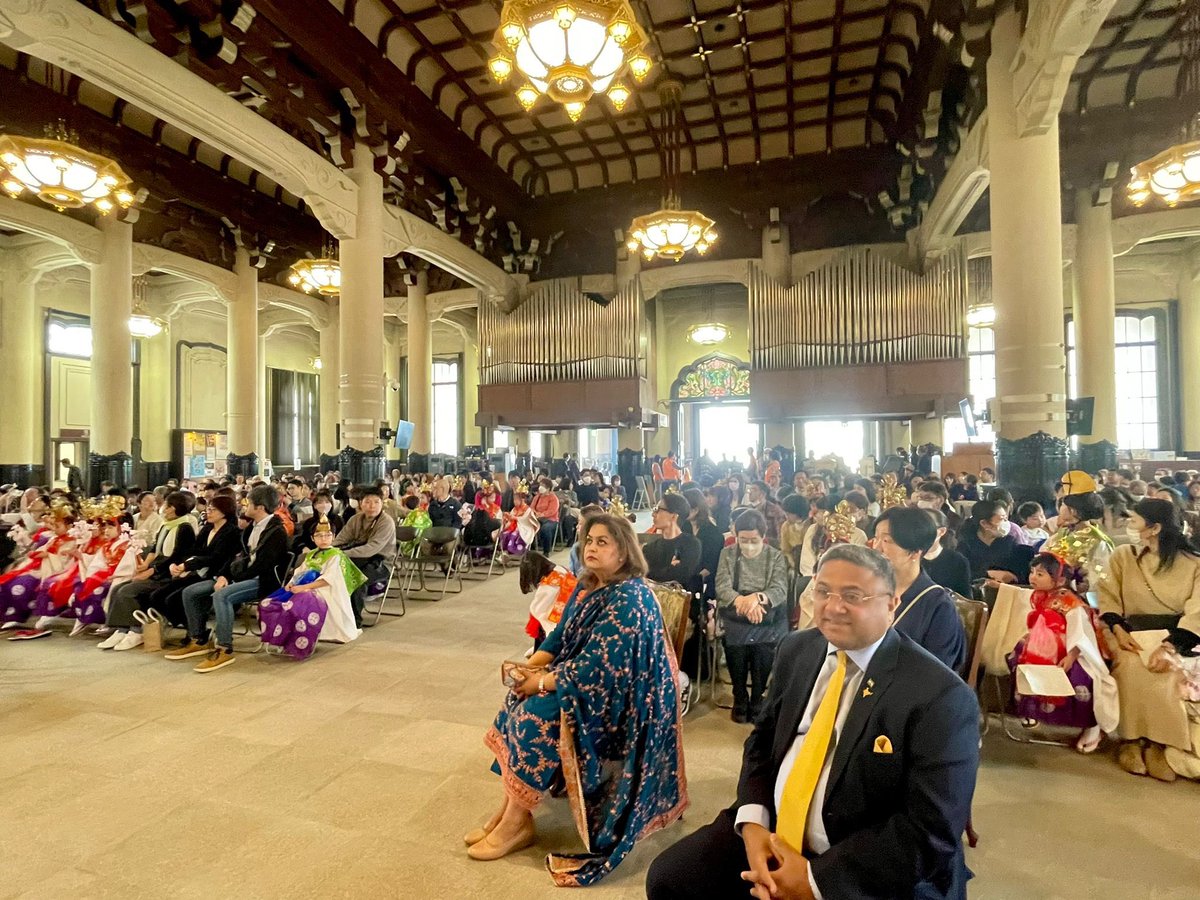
1152,590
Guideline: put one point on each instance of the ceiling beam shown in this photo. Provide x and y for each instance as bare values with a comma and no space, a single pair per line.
314,27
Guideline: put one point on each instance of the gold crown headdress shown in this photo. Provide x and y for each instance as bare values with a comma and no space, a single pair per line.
617,508
459,483
839,524
323,526
522,487
61,508
891,492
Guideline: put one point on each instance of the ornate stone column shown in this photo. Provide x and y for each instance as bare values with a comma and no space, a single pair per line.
1095,311
360,350
19,350
420,374
242,371
260,402
331,374
1026,213
470,388
109,457
1189,361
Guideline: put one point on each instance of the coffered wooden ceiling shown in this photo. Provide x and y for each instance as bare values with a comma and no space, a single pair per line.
841,113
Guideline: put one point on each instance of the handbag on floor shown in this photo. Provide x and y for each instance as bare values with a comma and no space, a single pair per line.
152,629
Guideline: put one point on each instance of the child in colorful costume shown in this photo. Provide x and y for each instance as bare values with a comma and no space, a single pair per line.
315,604
19,586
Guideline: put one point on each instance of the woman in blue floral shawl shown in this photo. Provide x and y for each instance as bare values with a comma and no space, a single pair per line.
596,707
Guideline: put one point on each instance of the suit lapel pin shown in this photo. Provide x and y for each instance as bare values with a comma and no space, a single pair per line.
867,690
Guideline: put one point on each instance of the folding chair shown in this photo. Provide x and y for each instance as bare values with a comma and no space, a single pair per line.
438,547
397,566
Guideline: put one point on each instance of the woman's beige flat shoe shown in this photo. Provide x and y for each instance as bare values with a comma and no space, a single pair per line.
1130,758
486,851
1157,765
474,837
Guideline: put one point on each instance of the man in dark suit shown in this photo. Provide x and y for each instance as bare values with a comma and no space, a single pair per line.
857,780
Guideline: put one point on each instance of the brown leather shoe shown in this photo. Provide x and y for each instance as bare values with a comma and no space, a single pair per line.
1157,765
1129,758
486,850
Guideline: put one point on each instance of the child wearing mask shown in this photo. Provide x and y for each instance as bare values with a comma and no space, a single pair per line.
752,579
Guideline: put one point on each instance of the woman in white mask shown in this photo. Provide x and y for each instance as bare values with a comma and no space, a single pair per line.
990,548
752,579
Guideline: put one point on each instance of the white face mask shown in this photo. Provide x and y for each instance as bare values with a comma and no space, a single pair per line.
1003,528
927,504
750,549
323,508
586,479
1135,536
543,489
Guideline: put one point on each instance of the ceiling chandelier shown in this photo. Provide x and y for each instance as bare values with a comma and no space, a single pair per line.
708,333
569,50
61,173
141,323
671,232
318,276
1174,174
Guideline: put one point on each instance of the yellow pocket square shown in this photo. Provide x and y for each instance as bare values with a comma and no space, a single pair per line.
882,744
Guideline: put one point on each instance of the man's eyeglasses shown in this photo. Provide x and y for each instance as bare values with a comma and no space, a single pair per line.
850,598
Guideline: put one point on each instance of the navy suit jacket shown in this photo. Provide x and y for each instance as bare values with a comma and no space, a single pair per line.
894,820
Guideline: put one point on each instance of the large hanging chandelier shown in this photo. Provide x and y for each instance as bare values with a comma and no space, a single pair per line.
672,231
1174,174
318,276
569,50
63,174
708,333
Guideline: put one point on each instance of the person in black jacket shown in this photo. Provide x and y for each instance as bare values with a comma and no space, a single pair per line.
883,814
256,572
217,544
172,545
942,562
322,506
675,556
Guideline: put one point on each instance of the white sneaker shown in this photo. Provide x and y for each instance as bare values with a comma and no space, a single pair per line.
111,641
103,631
45,622
78,628
129,641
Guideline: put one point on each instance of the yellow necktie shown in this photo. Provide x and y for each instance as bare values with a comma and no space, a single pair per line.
802,781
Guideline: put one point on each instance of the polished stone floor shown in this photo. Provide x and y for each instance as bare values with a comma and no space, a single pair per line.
355,774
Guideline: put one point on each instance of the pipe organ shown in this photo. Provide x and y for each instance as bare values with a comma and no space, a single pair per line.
859,310
561,334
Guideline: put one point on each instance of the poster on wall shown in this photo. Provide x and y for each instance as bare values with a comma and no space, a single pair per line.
205,454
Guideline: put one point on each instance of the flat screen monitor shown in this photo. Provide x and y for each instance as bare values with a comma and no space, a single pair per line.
968,417
404,435
1080,413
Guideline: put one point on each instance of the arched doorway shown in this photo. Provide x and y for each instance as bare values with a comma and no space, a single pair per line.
710,402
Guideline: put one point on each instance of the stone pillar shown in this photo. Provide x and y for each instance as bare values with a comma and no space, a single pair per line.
360,351
156,406
241,379
777,253
331,374
470,392
19,349
109,457
420,374
391,404
260,402
1027,289
1189,362
1095,311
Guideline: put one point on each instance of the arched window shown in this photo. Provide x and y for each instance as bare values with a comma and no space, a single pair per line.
714,377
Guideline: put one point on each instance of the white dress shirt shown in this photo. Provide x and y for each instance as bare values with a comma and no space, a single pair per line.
256,533
814,830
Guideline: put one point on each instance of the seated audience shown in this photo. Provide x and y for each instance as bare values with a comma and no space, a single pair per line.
942,562
1153,586
546,507
880,813
174,544
1064,632
314,605
752,580
990,547
369,539
926,612
217,544
603,685
673,556
443,509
